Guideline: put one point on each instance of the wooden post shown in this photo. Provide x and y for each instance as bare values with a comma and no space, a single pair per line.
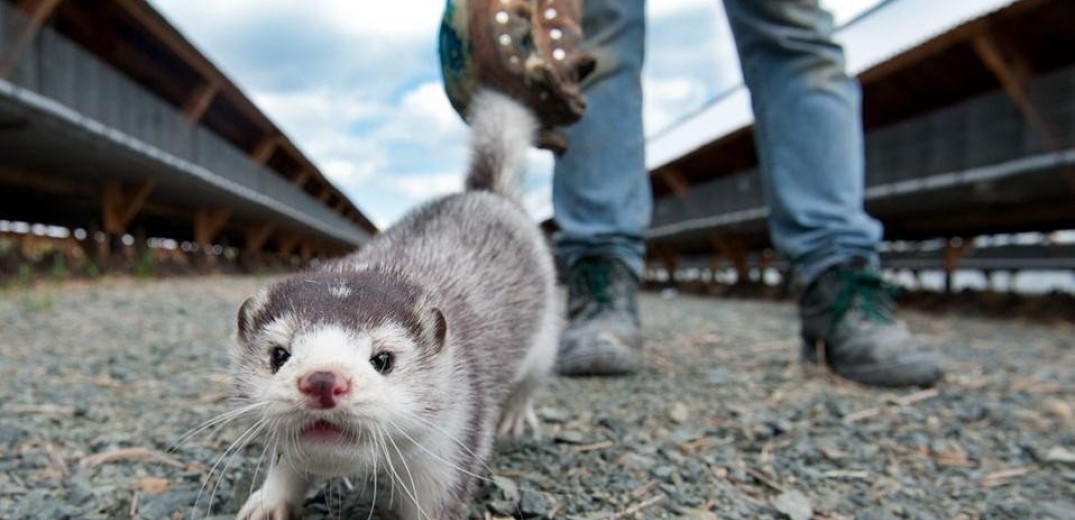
735,248
670,259
207,225
954,250
119,205
256,238
285,244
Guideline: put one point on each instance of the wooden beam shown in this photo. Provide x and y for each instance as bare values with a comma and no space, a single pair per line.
208,224
119,204
160,29
264,150
257,236
1013,73
306,252
301,178
38,12
199,100
325,195
340,206
918,54
675,182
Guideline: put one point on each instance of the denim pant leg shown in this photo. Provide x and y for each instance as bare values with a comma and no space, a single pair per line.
601,192
808,132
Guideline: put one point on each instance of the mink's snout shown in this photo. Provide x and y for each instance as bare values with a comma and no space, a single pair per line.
323,388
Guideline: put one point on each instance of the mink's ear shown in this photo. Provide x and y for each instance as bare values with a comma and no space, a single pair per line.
439,329
245,321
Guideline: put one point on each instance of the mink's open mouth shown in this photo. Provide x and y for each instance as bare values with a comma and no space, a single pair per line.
323,430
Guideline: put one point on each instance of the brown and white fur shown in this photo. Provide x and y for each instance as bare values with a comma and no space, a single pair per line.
459,295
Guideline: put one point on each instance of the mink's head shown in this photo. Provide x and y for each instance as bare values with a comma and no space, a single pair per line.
337,362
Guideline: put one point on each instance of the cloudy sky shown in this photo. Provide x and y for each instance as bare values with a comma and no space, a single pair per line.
357,84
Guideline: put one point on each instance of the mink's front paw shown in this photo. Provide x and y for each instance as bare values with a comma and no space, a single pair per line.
266,506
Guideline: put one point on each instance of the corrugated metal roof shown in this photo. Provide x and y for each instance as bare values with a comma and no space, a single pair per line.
883,33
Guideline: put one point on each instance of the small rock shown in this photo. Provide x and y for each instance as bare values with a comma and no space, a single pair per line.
503,508
698,514
509,491
554,415
638,461
1060,454
679,413
663,472
794,504
533,504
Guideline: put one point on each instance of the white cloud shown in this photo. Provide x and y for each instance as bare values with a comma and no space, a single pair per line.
392,20
424,114
348,173
424,187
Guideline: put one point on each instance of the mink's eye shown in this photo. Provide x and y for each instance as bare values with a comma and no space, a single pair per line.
278,357
382,362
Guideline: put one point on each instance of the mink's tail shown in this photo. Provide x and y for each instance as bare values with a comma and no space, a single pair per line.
502,131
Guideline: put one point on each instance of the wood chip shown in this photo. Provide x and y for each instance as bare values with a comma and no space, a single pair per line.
129,454
833,453
760,476
704,443
862,414
847,473
133,510
1003,477
1060,409
917,397
594,446
153,485
644,488
46,408
638,507
906,400
953,456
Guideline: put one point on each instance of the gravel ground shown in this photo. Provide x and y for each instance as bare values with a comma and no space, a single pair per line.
98,380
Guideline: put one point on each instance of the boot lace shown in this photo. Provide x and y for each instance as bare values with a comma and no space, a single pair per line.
593,279
867,292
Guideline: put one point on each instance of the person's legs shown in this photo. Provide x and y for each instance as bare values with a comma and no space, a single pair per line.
808,132
601,194
602,198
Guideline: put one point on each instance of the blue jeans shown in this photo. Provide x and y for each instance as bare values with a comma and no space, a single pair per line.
808,133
